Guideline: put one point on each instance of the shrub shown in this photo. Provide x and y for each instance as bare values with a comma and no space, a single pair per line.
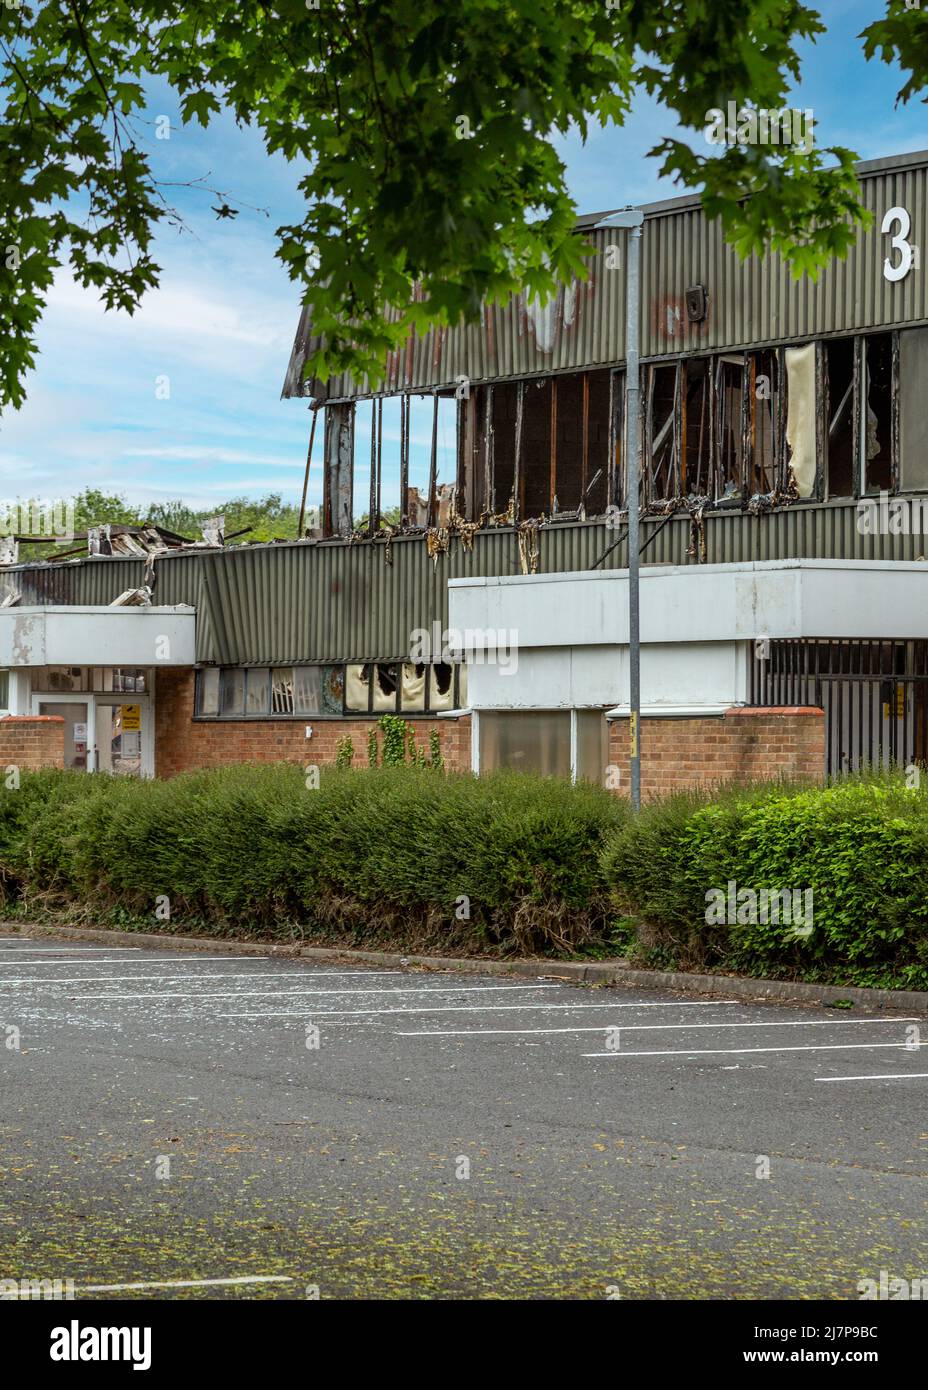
383,853
860,846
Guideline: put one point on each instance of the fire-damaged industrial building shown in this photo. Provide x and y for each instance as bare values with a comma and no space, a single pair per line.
478,497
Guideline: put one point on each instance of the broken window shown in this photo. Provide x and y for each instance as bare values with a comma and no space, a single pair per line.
333,689
729,397
596,435
412,687
543,444
568,462
696,431
860,402
536,472
431,471
877,430
441,686
385,687
368,688
357,688
840,414
913,424
282,690
661,415
505,409
763,420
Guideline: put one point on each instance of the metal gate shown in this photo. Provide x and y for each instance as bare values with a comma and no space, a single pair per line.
874,694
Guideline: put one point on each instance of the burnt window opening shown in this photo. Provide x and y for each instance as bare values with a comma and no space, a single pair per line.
597,431
568,480
339,691
505,412
729,395
535,473
877,428
840,414
542,445
696,444
764,417
661,415
860,413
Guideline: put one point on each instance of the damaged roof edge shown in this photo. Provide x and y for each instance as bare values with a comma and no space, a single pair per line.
505,346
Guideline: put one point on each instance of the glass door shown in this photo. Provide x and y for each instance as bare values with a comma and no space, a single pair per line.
119,733
74,715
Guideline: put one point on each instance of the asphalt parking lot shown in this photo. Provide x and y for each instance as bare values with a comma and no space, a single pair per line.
217,1125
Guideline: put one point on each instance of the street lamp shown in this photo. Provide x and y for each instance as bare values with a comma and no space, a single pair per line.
632,219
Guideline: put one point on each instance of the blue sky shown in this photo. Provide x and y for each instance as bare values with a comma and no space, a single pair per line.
221,324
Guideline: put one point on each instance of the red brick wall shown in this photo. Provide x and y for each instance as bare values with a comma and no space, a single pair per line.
31,741
741,745
182,743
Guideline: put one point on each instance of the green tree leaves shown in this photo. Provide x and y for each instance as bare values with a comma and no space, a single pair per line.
421,135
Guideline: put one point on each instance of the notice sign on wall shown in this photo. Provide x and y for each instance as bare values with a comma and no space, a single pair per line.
130,717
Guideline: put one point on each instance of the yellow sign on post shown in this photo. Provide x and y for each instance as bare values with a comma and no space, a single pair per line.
130,717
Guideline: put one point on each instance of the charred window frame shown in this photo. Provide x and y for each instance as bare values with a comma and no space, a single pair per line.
662,431
406,688
548,446
714,426
765,418
413,689
861,414
731,425
696,427
616,480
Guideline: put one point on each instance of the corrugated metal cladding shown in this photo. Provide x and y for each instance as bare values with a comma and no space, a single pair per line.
583,326
751,302
343,602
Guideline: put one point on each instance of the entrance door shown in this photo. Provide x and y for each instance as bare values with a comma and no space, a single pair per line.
119,738
74,715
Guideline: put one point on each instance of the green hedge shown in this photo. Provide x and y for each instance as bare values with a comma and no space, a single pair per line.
860,846
388,856
367,856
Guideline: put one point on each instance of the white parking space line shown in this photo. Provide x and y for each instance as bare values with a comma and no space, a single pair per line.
880,1076
740,1051
647,1027
186,1283
186,960
159,979
286,993
482,1009
65,950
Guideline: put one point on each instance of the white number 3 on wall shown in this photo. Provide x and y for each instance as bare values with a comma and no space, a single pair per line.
908,254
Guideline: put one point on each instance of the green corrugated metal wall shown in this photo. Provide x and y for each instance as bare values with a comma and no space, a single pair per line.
340,602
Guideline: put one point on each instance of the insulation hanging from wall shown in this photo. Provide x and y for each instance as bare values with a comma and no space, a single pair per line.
412,692
800,419
357,685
